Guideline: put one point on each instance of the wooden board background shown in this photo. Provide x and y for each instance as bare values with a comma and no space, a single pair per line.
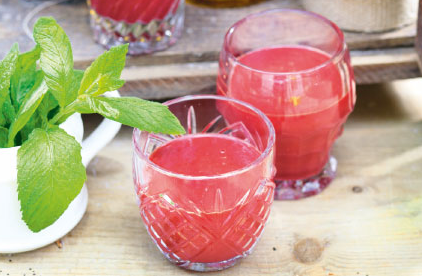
367,222
201,40
190,65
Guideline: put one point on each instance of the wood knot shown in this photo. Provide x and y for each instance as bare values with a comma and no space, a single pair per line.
307,250
357,189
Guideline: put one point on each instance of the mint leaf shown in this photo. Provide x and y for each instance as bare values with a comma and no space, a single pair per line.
7,67
79,74
24,76
104,73
56,60
8,110
36,121
87,105
48,106
2,120
134,112
45,111
50,176
3,137
29,105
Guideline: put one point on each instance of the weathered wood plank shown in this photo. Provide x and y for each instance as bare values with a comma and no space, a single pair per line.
201,41
169,81
384,65
367,222
190,66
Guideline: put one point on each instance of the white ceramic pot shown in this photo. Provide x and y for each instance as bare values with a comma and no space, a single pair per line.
366,15
15,236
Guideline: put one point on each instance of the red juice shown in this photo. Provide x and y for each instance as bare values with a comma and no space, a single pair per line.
132,11
205,221
307,107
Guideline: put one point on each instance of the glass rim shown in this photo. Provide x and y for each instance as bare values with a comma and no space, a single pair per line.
334,58
264,154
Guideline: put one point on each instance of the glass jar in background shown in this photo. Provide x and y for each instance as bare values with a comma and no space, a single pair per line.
223,3
295,67
147,25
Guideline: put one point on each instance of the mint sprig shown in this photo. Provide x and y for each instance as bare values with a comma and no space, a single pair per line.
36,101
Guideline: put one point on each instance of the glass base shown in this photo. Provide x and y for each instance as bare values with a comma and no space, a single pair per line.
297,189
207,267
143,38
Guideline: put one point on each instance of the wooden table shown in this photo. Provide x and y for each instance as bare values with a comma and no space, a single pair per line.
367,222
190,66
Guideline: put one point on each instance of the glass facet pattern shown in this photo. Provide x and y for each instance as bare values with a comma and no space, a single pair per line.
147,25
206,223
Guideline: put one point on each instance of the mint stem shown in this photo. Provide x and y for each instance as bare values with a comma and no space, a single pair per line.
63,114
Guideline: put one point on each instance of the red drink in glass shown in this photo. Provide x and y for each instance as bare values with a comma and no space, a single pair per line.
132,11
226,154
205,196
300,77
147,25
205,155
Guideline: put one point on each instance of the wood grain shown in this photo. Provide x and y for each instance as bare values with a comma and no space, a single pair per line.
419,35
189,67
160,82
367,222
201,41
376,66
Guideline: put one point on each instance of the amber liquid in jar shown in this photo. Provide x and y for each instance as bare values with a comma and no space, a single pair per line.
223,3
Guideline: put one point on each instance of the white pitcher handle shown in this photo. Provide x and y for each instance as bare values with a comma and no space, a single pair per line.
101,136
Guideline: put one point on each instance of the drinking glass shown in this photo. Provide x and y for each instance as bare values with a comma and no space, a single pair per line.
205,215
147,25
295,67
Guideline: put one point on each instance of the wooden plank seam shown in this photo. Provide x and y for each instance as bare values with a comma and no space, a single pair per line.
418,42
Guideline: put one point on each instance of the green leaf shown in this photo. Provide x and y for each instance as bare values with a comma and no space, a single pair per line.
8,111
50,176
3,137
79,74
30,104
45,111
36,121
134,112
2,120
25,75
23,135
7,67
48,104
56,60
104,73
